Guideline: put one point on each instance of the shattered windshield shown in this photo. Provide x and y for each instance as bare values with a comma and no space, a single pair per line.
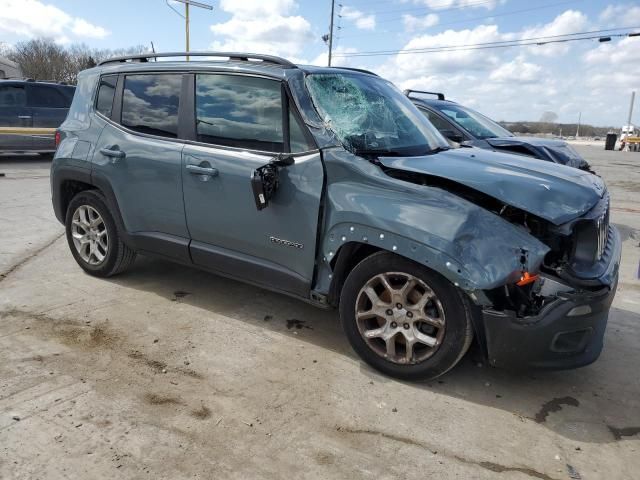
371,117
473,122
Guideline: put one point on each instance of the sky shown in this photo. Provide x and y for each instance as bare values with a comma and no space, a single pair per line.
584,78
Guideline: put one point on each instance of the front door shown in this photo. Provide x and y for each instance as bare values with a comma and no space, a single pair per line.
240,124
15,118
142,163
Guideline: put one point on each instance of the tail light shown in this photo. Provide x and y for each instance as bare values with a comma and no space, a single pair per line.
58,138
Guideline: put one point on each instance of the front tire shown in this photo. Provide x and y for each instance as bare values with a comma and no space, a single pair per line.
404,319
93,236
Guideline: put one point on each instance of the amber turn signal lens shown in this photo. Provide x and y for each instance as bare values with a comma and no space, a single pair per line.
527,278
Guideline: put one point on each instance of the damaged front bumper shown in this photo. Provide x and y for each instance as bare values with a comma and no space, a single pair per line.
568,332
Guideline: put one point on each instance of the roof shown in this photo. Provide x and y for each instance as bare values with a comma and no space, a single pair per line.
216,61
430,102
39,82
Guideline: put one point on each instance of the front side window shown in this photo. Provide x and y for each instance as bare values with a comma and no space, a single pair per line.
150,104
238,111
372,117
106,91
41,96
473,122
12,96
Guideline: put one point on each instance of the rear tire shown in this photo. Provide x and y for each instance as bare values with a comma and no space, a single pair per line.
94,238
404,319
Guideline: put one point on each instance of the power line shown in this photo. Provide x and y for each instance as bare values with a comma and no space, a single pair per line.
435,8
505,43
504,14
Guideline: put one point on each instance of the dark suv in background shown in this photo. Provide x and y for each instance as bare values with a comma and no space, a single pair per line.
465,126
30,112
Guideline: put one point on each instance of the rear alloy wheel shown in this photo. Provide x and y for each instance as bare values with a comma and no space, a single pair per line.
89,234
93,236
404,319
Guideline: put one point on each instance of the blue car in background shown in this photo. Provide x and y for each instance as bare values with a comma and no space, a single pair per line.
465,126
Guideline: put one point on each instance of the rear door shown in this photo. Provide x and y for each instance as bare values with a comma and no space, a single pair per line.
138,157
15,117
242,123
49,107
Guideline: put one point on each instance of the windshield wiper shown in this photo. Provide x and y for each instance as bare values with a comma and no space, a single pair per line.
438,150
376,152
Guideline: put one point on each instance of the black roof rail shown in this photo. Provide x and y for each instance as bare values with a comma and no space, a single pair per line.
408,93
243,57
361,70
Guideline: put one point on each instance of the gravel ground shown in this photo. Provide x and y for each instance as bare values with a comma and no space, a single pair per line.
168,372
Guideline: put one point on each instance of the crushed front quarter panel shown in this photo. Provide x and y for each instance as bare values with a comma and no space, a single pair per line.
472,247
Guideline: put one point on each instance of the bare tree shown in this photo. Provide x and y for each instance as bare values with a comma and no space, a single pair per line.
44,59
549,117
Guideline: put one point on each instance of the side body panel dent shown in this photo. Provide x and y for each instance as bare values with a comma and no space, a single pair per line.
468,245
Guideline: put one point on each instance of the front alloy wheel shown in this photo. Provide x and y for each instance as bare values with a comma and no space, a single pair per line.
403,318
400,317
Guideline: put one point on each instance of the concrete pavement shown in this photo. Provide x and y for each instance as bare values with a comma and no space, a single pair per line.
167,372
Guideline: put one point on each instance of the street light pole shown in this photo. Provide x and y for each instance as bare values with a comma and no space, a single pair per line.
187,4
331,31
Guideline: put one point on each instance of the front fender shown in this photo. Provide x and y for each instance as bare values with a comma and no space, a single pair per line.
472,247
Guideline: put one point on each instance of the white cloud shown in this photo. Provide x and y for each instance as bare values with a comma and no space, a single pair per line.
444,4
361,20
321,60
624,15
406,66
521,83
518,71
33,18
82,28
412,23
263,26
571,21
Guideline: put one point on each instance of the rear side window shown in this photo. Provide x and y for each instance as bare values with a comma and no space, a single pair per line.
150,104
12,96
42,96
437,122
237,111
106,91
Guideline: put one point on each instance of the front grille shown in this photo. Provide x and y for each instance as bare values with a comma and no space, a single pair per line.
602,227
590,237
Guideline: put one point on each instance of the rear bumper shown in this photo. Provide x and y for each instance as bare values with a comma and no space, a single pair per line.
567,333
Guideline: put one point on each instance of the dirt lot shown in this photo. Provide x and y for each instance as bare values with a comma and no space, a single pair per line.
171,373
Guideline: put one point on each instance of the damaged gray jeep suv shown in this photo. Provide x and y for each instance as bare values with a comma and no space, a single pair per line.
327,184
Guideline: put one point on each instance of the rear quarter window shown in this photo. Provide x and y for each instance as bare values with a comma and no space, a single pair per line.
12,96
106,92
44,96
150,103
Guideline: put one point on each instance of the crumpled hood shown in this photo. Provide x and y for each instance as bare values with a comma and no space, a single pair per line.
557,151
551,191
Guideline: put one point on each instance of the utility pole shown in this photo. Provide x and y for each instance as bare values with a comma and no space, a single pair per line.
633,99
333,4
187,4
578,130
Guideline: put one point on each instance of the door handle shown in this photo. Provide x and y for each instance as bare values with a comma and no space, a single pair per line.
24,117
113,152
198,170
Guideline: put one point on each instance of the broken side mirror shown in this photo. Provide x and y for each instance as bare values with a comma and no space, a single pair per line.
265,181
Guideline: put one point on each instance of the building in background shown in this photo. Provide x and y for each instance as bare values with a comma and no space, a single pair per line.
9,69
